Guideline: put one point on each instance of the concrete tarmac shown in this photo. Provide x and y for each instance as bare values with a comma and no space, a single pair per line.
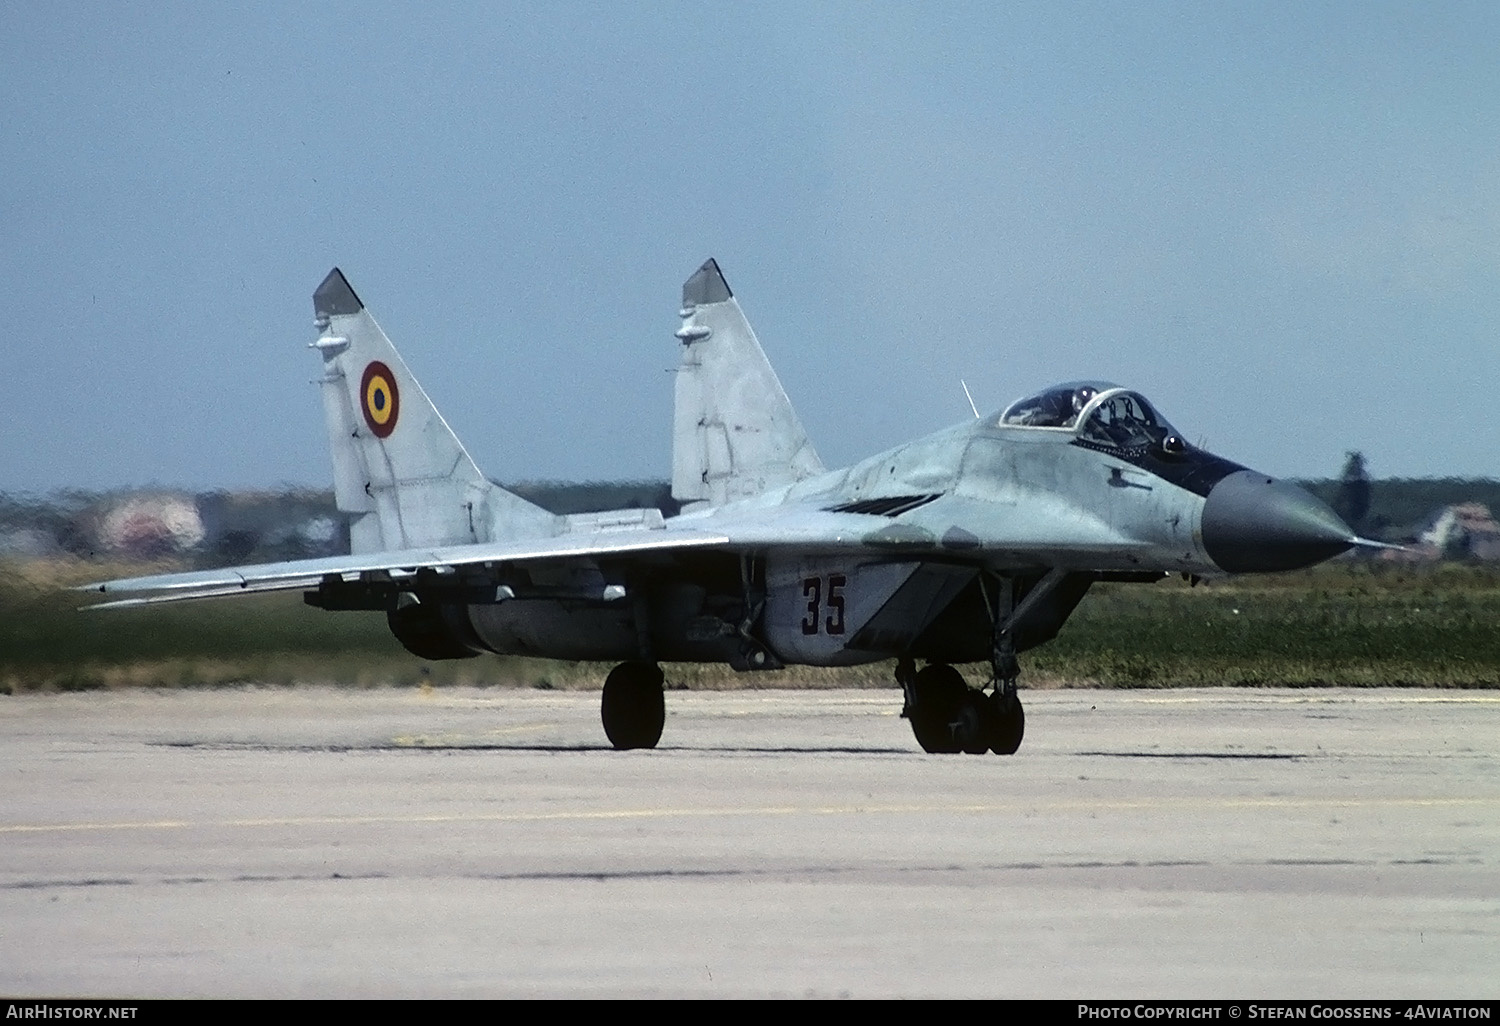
1159,844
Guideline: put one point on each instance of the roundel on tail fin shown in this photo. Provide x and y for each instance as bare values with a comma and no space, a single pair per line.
380,399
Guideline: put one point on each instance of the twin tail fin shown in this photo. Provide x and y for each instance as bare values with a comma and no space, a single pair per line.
398,469
407,482
734,433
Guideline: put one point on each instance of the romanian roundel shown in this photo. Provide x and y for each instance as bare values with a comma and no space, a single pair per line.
379,398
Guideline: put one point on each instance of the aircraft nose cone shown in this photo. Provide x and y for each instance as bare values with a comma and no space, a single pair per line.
1253,523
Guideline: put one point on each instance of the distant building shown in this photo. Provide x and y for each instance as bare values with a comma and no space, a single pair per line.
146,525
267,526
1465,530
30,542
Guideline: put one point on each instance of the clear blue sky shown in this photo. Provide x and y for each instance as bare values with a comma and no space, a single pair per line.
1281,221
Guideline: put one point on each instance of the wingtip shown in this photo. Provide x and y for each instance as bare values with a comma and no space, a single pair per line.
707,285
335,296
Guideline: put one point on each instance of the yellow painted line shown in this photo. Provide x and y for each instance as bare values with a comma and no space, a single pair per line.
1125,805
1346,698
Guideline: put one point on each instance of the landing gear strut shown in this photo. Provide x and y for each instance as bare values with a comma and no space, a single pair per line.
946,714
1007,720
633,709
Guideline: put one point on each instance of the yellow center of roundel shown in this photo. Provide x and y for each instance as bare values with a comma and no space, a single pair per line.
378,399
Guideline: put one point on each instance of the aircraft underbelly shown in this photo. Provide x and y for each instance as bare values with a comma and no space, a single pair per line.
558,630
551,629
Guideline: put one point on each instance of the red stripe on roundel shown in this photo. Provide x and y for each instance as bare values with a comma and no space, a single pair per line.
379,399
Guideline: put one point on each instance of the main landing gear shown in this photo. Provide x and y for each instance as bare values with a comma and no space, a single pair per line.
633,709
948,716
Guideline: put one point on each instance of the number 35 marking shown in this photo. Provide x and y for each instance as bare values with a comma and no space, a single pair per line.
812,590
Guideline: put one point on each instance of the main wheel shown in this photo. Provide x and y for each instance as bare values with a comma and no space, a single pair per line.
938,700
1007,723
632,707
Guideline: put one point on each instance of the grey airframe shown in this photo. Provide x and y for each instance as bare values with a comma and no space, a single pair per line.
972,544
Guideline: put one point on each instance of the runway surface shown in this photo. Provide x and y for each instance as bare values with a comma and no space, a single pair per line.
317,842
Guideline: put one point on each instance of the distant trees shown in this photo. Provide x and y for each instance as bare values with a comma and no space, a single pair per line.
226,528
1352,500
292,523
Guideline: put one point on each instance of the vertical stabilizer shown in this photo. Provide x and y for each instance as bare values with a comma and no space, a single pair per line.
397,466
735,433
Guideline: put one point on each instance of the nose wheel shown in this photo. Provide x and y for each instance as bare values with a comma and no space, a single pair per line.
942,717
1007,722
947,716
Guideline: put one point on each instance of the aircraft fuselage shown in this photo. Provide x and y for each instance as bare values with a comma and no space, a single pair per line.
916,526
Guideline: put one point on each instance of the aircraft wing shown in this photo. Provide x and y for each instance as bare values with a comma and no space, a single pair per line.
804,527
308,573
759,531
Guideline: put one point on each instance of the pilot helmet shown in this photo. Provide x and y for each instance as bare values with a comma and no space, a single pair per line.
1081,397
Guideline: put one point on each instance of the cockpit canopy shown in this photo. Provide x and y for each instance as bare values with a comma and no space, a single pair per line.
1098,412
1055,407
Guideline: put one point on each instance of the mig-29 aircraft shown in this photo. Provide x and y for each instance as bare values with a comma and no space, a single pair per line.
972,544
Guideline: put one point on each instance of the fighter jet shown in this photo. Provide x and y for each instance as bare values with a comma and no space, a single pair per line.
970,545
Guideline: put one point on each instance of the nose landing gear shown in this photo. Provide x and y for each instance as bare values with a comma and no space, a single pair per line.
947,716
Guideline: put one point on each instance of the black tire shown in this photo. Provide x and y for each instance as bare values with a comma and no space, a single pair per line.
632,707
938,698
975,726
1007,724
